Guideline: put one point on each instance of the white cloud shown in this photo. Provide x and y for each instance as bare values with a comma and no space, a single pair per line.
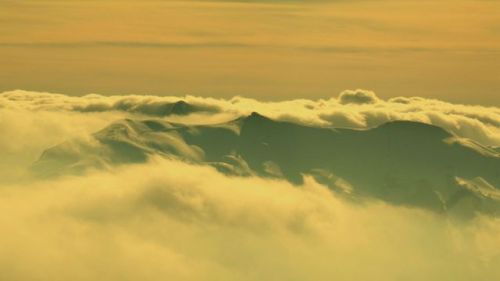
187,222
358,97
353,109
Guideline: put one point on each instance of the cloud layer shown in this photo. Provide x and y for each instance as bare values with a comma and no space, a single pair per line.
352,109
196,224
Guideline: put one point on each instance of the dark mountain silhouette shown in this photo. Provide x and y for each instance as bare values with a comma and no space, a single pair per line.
158,108
400,162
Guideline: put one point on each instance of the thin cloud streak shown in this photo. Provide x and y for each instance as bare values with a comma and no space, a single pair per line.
208,45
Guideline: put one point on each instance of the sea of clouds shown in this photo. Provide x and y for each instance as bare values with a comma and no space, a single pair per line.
351,109
169,220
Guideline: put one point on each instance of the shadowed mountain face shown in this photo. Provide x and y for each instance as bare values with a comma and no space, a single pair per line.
399,162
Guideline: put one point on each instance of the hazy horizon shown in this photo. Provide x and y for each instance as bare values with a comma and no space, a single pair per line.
270,50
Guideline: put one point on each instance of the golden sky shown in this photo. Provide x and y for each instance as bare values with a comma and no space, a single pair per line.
446,49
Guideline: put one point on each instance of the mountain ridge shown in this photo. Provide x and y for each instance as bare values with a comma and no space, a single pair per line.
401,162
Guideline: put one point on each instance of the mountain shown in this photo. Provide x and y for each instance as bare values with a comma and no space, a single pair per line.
400,162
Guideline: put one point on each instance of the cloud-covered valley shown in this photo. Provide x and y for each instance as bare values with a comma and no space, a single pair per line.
168,218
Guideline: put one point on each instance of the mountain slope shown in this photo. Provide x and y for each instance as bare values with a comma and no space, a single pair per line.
399,162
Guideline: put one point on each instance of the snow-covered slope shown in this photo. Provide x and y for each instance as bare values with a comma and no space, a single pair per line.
399,162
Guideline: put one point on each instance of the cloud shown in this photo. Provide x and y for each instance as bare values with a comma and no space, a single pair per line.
147,105
357,97
26,134
186,222
352,109
129,44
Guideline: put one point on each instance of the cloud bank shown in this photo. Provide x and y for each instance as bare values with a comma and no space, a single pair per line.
351,109
197,224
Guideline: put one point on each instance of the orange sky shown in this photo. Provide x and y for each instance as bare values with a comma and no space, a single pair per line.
263,49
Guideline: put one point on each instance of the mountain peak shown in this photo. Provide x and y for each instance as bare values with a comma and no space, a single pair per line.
181,108
256,117
255,114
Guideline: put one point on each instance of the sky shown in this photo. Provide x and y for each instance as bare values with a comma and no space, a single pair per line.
268,50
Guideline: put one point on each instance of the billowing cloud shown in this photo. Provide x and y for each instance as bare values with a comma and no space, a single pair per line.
352,109
186,222
357,96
